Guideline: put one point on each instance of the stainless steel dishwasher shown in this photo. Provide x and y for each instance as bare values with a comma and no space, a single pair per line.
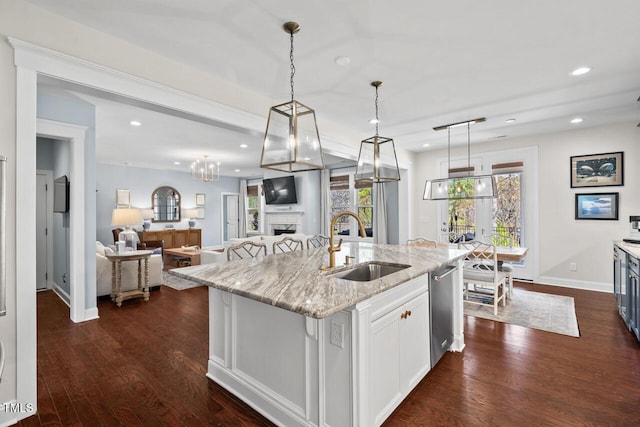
441,309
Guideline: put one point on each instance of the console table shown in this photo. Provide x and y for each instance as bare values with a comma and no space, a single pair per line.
117,294
174,238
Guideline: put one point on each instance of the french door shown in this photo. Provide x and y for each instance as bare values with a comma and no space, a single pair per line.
508,219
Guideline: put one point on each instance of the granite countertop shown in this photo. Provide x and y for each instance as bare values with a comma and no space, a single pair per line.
630,248
293,280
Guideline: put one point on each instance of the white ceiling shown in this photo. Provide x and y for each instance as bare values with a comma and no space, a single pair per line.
441,62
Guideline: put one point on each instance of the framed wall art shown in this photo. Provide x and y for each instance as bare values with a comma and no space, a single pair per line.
123,198
597,170
597,206
201,199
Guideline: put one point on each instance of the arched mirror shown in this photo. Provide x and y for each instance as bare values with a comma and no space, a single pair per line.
166,204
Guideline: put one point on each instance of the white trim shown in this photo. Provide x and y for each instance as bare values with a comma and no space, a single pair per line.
49,179
62,294
575,284
26,332
77,208
223,213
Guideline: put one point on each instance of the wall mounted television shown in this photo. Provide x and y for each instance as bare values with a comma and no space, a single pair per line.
61,194
280,191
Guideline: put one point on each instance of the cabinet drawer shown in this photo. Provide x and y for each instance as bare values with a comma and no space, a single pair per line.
393,298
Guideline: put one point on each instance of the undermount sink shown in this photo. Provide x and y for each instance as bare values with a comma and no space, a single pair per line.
370,271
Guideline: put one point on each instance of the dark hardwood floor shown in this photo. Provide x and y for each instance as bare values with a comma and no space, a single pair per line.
144,364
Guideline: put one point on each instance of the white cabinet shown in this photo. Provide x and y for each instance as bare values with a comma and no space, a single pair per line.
399,356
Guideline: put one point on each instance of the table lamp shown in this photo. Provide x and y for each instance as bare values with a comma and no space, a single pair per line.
147,215
126,217
192,214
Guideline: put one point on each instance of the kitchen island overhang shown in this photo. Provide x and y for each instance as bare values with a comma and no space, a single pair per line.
304,347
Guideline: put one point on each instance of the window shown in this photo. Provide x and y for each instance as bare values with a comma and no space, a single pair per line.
253,208
346,195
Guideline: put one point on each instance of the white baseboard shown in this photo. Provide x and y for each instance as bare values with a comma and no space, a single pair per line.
91,314
64,296
576,284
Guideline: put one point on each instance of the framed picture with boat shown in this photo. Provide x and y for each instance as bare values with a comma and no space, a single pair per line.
597,170
597,206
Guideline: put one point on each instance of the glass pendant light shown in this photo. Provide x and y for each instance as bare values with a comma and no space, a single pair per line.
377,161
291,140
205,170
460,186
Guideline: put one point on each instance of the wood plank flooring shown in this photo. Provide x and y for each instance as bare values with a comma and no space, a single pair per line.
144,364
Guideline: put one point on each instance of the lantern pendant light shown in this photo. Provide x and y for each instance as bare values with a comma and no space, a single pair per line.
377,161
291,140
460,184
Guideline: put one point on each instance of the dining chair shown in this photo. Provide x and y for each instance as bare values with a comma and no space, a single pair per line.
317,241
245,250
287,245
420,241
483,283
505,267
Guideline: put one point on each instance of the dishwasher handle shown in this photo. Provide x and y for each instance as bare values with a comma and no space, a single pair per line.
443,272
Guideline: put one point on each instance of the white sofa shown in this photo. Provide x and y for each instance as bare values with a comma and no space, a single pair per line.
129,271
208,256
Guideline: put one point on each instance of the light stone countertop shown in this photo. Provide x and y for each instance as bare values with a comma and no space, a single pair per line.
293,280
630,248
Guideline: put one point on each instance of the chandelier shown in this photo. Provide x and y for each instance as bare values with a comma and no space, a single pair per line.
460,184
205,170
377,161
291,140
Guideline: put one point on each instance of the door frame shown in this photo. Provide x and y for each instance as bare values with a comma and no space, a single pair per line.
223,214
49,220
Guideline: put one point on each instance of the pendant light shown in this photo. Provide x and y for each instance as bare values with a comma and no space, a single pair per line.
291,140
205,170
377,161
460,184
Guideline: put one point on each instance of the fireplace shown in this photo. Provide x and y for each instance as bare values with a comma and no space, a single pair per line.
277,223
279,231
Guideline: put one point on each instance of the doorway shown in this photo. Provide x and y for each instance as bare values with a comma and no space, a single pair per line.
230,216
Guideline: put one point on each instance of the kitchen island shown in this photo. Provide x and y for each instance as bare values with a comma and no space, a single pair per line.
306,347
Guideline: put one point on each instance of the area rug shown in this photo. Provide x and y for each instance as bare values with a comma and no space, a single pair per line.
553,313
177,282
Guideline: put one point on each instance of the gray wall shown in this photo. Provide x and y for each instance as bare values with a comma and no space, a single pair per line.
141,182
68,109
393,213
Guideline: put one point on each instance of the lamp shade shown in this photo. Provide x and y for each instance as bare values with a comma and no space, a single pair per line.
191,213
291,140
126,216
470,187
377,160
147,214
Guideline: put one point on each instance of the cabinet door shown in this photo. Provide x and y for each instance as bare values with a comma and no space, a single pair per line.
384,375
634,303
414,339
195,237
167,236
180,238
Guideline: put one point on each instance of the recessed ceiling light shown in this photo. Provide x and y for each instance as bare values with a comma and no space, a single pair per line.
580,71
374,121
425,145
510,120
135,123
343,60
576,120
243,145
176,163
237,170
